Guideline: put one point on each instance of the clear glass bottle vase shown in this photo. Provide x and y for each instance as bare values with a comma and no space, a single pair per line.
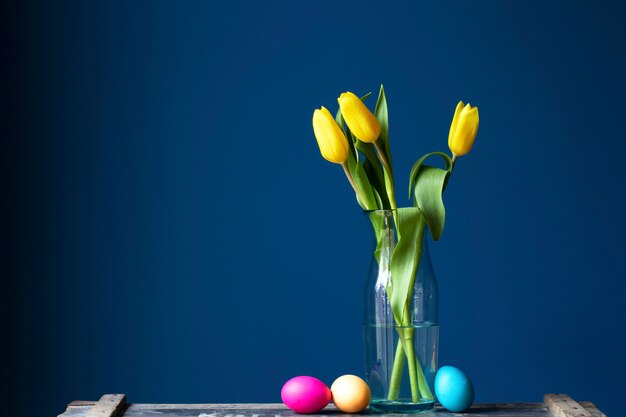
399,382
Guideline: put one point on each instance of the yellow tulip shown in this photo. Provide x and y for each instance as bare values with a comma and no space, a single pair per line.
330,138
463,129
362,123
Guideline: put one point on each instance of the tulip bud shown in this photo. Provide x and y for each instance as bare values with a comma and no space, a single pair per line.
463,129
330,138
362,123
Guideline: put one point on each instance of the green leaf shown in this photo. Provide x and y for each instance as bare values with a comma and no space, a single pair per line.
362,182
429,184
405,260
374,170
378,223
385,238
379,201
419,162
382,115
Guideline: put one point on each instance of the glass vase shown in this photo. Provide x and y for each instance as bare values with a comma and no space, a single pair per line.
400,355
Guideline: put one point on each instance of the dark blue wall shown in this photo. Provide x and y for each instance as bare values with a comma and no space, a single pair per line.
174,234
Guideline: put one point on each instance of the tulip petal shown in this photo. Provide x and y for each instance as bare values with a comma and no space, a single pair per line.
463,129
455,120
330,138
360,120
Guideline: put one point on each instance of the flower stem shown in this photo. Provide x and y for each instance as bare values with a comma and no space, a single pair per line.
354,186
420,385
396,374
407,340
387,165
421,379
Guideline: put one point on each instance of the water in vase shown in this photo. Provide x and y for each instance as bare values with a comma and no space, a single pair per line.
392,388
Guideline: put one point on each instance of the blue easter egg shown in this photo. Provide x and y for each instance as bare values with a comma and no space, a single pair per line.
454,389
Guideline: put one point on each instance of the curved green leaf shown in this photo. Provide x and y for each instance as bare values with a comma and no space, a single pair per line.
419,162
379,221
405,260
429,184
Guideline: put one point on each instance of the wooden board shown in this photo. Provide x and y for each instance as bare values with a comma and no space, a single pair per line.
109,405
82,408
561,405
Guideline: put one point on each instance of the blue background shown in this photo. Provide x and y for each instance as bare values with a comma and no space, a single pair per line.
173,233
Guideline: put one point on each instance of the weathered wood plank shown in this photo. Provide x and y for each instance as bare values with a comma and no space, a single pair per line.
279,410
108,406
561,405
82,408
592,409
82,403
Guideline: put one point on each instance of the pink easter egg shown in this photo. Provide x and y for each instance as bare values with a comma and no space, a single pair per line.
305,394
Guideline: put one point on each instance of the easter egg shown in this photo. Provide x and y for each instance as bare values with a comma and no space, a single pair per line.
454,389
350,393
305,394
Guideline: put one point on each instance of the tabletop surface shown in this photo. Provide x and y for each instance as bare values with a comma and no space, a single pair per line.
87,409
